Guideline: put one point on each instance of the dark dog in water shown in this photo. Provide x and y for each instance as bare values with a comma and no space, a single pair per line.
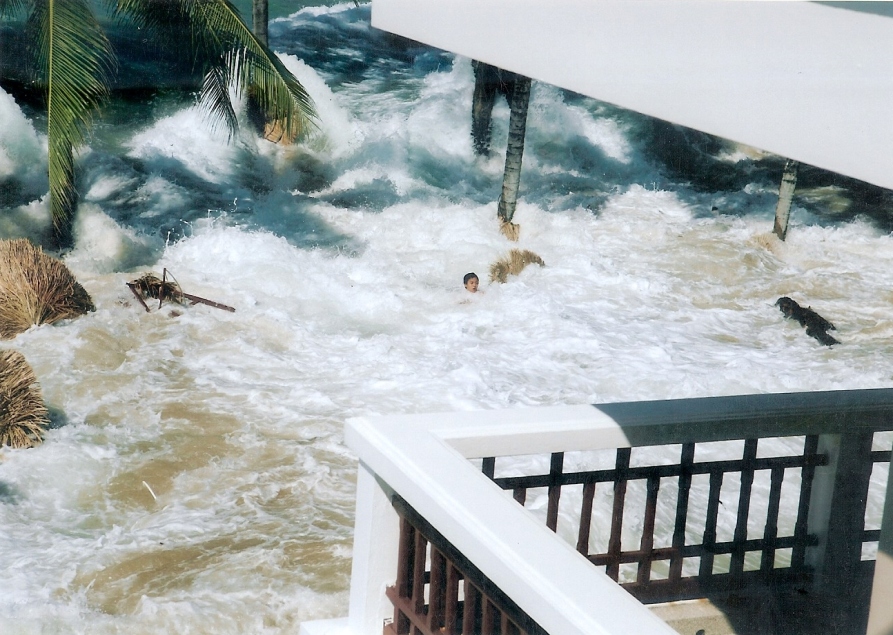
816,325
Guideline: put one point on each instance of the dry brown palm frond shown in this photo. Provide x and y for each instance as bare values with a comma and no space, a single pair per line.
23,415
36,289
151,286
513,264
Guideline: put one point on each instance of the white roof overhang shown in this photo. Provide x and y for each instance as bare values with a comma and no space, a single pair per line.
805,80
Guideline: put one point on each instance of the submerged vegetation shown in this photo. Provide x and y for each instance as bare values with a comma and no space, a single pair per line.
36,289
72,62
23,415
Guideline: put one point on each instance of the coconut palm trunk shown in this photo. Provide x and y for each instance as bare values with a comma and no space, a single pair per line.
511,179
260,17
486,84
785,198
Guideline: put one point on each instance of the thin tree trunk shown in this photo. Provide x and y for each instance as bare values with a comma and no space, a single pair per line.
785,198
520,97
259,20
260,15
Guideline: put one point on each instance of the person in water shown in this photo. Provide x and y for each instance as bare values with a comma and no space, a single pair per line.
471,282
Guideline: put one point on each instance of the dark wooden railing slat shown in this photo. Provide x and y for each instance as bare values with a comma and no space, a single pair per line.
683,546
684,487
451,603
555,469
418,573
770,533
585,519
520,494
437,590
614,542
709,539
647,542
747,472
801,527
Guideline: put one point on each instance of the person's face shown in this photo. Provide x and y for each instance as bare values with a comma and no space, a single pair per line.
472,285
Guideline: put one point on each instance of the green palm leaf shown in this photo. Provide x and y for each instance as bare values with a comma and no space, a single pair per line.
11,7
74,61
235,57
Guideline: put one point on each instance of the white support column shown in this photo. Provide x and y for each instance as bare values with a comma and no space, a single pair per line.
820,502
837,517
376,537
880,615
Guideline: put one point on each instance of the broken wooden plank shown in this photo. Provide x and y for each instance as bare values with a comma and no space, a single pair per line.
195,299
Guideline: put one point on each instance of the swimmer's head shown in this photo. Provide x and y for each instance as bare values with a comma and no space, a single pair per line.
471,282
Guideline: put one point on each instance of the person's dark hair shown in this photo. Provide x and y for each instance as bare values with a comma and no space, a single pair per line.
469,276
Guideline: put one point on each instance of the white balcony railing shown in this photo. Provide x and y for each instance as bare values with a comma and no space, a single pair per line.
420,478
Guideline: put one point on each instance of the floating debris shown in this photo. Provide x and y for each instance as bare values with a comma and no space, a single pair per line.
36,289
23,416
161,289
513,264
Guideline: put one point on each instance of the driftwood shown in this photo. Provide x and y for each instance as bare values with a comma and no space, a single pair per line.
150,286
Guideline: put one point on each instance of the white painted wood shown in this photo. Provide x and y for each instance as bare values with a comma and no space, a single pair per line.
880,615
375,542
804,80
544,575
425,459
337,626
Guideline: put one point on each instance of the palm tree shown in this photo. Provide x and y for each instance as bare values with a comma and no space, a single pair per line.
73,61
519,99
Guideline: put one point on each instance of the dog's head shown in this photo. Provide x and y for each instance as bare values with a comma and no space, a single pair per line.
787,306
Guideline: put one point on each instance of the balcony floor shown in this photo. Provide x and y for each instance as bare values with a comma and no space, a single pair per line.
798,612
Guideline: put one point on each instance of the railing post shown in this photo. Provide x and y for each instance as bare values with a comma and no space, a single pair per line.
880,615
837,516
376,538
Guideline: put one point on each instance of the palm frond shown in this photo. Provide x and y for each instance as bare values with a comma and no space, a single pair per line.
74,61
9,8
215,98
232,53
252,66
149,14
23,416
36,289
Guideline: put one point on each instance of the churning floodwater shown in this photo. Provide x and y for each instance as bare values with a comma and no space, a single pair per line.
196,480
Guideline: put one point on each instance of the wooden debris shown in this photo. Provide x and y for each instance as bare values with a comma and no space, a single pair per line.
151,286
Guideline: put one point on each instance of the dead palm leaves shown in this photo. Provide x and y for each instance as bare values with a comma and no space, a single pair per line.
513,264
161,289
36,289
151,286
23,415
